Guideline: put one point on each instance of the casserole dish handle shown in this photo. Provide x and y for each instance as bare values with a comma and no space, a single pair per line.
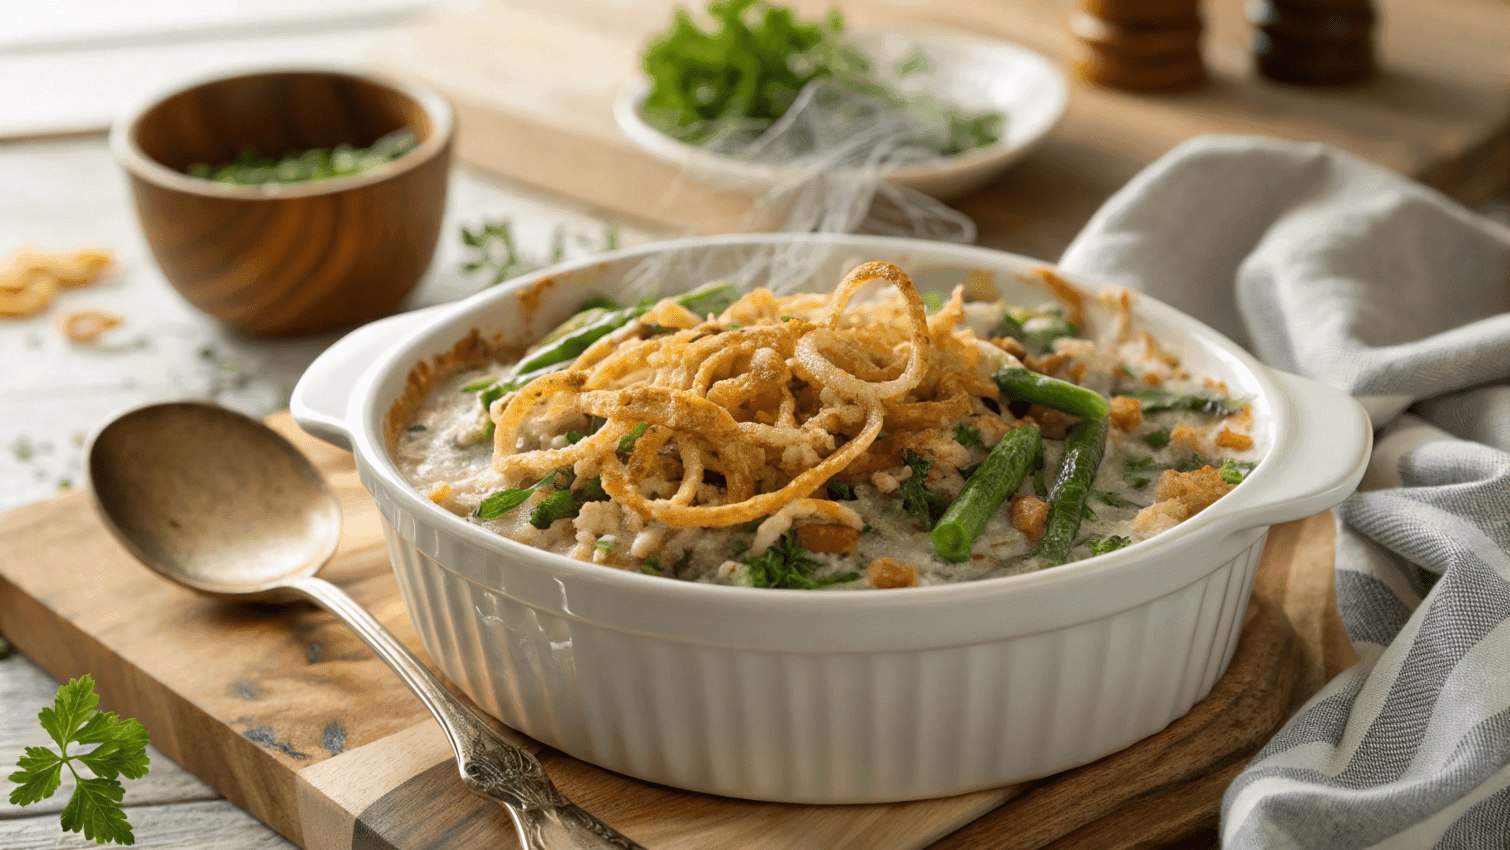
1317,468
320,400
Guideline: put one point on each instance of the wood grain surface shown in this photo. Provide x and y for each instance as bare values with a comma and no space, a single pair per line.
285,713
533,82
316,256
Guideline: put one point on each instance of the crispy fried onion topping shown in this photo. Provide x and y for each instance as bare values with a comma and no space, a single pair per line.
750,412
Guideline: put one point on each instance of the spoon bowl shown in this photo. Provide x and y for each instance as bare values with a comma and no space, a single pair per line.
212,499
222,504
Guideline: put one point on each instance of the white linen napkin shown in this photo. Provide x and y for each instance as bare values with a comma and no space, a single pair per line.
1332,267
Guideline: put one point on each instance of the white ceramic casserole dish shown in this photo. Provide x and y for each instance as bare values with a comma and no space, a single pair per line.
829,696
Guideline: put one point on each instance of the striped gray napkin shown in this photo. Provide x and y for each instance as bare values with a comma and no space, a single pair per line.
1332,267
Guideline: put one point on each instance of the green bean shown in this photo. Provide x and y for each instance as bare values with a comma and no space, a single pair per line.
1084,446
1021,384
709,298
1158,400
993,481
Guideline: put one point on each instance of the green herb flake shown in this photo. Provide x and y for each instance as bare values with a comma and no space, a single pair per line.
416,427
1139,483
1103,545
787,565
592,491
502,502
1157,439
967,436
605,544
95,807
558,505
651,566
840,492
626,442
1108,498
1230,472
923,504
932,302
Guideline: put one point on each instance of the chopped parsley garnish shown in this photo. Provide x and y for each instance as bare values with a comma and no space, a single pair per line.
503,501
561,504
574,437
626,442
417,428
558,505
1136,464
734,326
1127,370
968,436
1102,545
606,543
1035,329
839,491
651,565
787,565
592,491
925,505
1108,498
565,503
932,302
1157,439
1232,472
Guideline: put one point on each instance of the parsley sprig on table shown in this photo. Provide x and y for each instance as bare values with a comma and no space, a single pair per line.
121,750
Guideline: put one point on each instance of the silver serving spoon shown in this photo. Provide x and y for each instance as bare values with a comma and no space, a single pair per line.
222,504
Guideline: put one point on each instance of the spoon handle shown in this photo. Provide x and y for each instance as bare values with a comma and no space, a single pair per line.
491,765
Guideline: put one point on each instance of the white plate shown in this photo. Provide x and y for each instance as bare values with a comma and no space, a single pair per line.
973,73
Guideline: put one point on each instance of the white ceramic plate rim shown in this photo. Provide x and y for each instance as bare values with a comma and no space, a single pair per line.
1020,136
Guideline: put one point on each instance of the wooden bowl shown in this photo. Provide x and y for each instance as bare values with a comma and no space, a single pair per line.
298,258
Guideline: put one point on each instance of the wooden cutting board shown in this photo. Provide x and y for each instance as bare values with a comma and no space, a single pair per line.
288,715
533,82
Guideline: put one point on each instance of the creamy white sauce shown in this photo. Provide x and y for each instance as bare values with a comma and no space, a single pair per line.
444,454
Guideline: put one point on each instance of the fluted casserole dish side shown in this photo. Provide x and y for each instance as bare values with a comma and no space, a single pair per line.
828,696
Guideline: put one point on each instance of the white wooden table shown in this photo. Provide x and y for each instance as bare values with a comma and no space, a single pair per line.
62,193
